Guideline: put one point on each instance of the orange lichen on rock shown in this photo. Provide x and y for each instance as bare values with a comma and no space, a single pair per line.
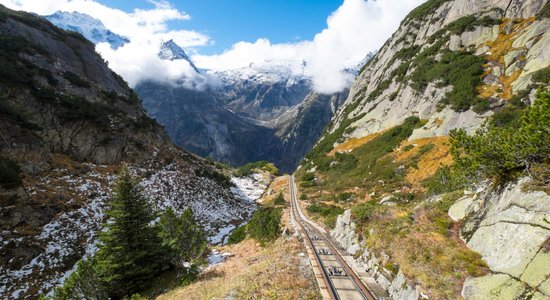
354,143
428,162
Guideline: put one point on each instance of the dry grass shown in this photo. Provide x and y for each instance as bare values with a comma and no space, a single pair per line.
499,48
429,162
421,243
252,272
507,81
354,143
487,91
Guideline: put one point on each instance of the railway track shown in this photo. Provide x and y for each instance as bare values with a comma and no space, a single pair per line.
340,281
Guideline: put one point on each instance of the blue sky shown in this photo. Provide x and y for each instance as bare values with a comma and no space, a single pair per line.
314,38
231,21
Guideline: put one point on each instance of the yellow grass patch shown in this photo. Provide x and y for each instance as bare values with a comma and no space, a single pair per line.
487,91
354,143
507,83
429,162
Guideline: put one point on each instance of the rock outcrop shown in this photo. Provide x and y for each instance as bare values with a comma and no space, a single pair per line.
395,285
511,230
386,92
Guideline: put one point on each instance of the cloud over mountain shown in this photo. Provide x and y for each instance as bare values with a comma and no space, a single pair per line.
356,28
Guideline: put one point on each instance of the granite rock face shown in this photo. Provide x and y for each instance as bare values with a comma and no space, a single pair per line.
511,230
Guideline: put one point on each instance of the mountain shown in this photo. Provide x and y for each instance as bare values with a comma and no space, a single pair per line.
67,124
91,28
171,51
253,115
424,216
245,117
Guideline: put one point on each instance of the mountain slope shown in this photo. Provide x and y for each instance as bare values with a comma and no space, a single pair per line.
452,64
67,123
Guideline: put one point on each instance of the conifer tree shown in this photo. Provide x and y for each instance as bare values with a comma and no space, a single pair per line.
131,251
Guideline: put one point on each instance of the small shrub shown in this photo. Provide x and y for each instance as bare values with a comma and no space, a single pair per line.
303,196
363,212
542,76
408,148
265,225
237,235
279,200
76,80
220,178
256,166
329,212
308,177
545,11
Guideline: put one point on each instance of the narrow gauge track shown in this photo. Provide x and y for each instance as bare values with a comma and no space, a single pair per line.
340,280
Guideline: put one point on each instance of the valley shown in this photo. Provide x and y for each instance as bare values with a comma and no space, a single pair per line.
135,166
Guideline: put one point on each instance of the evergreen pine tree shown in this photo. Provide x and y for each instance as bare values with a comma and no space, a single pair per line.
131,251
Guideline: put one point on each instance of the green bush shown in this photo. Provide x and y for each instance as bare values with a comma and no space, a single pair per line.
9,173
363,212
461,70
220,178
346,196
183,236
328,212
542,76
303,196
498,153
79,108
424,10
237,235
545,11
84,283
265,225
279,200
308,177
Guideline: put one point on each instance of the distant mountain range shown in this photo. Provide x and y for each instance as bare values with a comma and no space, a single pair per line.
256,113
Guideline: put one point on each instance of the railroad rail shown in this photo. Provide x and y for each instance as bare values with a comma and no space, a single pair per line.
340,280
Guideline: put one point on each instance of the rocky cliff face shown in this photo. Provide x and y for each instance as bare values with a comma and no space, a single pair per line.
511,230
67,122
394,85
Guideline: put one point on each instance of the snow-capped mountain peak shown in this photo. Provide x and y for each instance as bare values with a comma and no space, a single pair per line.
91,28
172,51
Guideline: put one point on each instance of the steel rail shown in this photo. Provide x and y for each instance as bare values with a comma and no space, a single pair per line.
359,286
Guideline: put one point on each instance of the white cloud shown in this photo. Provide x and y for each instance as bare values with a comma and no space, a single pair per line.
146,30
356,28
